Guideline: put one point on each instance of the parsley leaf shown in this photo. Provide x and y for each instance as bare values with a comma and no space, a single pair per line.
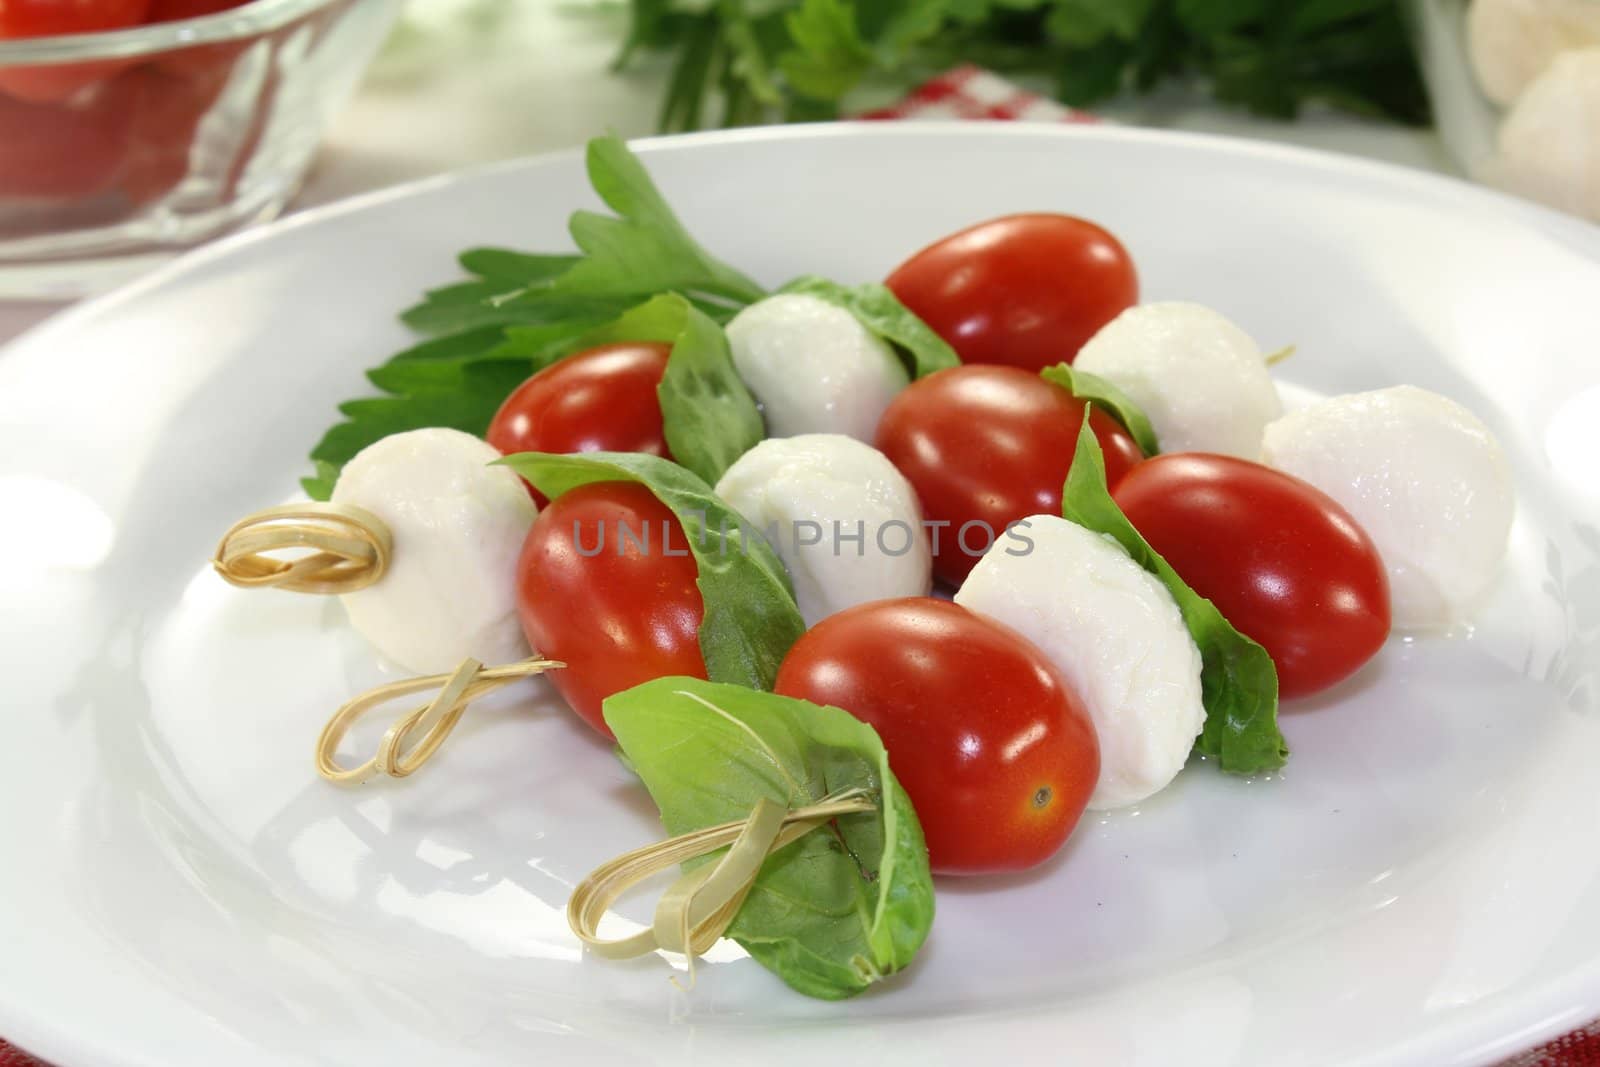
520,312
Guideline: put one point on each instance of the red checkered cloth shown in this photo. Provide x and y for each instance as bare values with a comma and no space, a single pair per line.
1581,1048
969,92
10,1057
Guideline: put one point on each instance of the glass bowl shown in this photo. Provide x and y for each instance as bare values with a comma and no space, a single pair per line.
121,149
1550,157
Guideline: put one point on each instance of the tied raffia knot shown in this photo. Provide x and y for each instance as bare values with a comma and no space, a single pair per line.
434,720
306,548
695,911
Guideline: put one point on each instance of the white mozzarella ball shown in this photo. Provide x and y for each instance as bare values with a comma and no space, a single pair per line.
845,522
458,526
1202,381
1549,144
813,366
1117,637
1512,42
1425,479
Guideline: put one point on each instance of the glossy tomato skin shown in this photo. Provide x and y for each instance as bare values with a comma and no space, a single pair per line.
601,400
995,752
169,107
1023,290
174,10
1280,559
205,60
990,445
51,83
50,18
618,609
64,153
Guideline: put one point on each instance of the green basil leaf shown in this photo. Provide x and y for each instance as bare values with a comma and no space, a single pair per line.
750,614
1239,684
842,907
708,416
1095,389
880,311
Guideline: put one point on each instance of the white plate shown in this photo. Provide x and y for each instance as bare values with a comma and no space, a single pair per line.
1421,887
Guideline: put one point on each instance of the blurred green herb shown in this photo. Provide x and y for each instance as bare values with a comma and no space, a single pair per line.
798,59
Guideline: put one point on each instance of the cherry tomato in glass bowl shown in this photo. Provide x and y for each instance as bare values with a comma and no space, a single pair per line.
53,82
990,446
601,400
1281,560
52,18
606,584
168,108
176,10
65,152
203,60
996,753
1023,290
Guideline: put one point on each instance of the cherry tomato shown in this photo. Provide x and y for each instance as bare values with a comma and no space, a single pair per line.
175,10
989,446
1280,559
606,585
1026,290
65,152
48,83
49,18
169,106
602,400
995,752
203,60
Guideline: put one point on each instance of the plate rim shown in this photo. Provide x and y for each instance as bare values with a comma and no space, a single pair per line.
1555,1007
1545,218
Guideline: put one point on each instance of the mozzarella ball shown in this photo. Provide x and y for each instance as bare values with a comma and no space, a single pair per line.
458,525
845,522
813,366
1117,637
1512,42
1201,380
1549,144
1425,479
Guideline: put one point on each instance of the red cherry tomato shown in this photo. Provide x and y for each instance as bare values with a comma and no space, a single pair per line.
204,60
169,106
606,585
65,152
1280,559
48,83
995,752
1026,290
602,400
989,446
49,18
174,10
